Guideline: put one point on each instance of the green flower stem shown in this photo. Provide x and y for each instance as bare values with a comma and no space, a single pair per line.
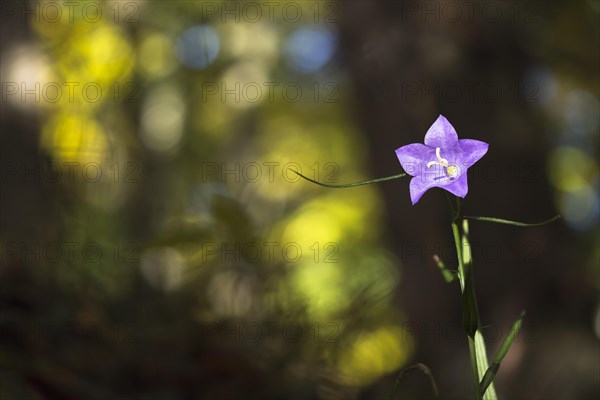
462,275
470,312
461,271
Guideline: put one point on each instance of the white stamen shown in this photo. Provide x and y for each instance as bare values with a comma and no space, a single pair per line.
443,161
451,170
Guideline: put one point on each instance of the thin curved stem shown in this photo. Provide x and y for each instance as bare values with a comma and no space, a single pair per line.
509,222
408,370
348,185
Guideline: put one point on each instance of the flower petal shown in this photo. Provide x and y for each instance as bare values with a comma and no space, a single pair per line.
412,156
418,186
441,134
458,187
472,151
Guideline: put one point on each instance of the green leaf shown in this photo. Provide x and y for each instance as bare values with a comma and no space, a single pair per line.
347,185
409,370
469,309
448,275
515,223
482,366
502,351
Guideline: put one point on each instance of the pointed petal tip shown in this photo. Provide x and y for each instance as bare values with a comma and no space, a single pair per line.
411,156
459,187
473,150
441,134
417,190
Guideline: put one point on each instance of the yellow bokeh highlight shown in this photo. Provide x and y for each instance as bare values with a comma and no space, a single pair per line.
102,55
333,217
325,229
373,354
239,41
93,60
93,57
309,138
317,223
305,144
155,55
242,85
74,138
571,169
322,288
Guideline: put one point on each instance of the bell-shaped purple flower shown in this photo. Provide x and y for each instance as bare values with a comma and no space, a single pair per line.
441,162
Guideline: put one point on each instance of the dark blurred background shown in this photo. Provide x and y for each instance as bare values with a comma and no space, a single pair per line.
155,245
